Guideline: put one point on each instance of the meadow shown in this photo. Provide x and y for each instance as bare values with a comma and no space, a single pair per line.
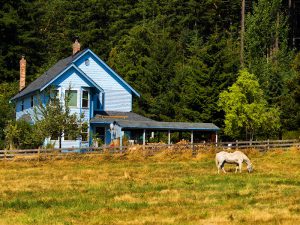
162,189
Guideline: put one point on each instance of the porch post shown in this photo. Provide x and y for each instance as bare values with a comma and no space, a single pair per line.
144,137
169,137
192,137
216,137
121,144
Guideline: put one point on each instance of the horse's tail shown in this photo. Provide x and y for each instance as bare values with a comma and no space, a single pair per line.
217,161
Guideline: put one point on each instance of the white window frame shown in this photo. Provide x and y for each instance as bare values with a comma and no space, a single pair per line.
81,98
78,96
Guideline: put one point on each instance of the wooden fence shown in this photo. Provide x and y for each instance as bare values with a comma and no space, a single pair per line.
149,149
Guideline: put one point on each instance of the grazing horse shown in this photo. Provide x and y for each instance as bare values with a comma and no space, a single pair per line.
232,158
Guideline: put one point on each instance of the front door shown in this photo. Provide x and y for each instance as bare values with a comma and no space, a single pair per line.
100,133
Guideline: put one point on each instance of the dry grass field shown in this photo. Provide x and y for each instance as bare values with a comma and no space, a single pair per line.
162,189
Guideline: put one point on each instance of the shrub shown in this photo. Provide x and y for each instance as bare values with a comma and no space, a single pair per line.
22,135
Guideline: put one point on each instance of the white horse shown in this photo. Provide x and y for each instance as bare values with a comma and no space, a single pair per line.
232,158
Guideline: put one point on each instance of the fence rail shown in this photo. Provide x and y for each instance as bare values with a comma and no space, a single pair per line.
149,149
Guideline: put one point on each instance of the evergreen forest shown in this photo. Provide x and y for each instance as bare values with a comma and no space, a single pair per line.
180,55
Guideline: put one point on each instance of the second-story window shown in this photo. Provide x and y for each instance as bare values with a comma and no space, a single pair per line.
85,99
71,97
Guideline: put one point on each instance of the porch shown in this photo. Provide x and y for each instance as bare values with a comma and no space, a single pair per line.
130,128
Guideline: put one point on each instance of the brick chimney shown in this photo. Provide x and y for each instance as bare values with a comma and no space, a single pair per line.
22,72
76,46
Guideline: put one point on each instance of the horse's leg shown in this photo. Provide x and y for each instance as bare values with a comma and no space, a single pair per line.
219,166
223,169
236,168
222,166
240,166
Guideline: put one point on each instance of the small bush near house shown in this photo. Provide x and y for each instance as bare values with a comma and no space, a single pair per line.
22,135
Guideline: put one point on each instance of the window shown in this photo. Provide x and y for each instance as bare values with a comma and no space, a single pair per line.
54,94
22,105
69,136
32,101
71,98
100,133
85,99
85,132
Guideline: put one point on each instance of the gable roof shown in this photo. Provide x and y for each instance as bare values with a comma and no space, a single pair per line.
49,75
56,70
109,70
72,65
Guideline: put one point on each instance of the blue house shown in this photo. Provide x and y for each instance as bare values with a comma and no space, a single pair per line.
101,95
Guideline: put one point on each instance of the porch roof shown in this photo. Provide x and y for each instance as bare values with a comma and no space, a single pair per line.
130,120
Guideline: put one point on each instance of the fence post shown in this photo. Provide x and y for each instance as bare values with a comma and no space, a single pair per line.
268,146
39,151
193,149
5,154
236,144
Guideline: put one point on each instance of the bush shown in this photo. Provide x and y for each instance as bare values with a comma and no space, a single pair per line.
22,135
287,135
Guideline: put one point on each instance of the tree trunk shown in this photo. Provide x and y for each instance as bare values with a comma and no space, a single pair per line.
276,47
242,33
59,140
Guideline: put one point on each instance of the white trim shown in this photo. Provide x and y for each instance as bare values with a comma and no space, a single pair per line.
110,69
79,71
89,94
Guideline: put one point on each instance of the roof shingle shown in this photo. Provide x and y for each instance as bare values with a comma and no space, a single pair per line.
132,120
48,75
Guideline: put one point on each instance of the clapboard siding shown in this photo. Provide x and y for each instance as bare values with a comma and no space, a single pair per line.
118,101
27,107
118,97
71,79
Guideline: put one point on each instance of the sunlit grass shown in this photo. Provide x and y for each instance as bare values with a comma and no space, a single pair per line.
162,189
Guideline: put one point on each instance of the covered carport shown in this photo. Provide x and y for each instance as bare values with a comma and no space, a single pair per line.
116,123
150,126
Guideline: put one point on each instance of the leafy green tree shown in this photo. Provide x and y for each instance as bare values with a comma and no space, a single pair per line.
291,100
22,135
268,55
201,78
266,47
7,109
246,109
54,119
